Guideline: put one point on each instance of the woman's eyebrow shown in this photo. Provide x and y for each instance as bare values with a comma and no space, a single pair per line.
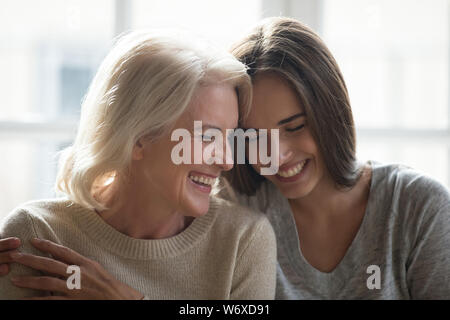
295,116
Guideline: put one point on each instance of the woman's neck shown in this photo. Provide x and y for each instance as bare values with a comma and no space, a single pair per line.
327,202
139,215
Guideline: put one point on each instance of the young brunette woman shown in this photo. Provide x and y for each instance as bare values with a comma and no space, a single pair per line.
345,229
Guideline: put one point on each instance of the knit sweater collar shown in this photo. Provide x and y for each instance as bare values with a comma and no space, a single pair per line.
114,241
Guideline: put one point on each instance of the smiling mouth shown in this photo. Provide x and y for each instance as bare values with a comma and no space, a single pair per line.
292,171
202,179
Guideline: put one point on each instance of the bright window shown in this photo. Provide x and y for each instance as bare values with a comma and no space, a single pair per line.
49,51
394,58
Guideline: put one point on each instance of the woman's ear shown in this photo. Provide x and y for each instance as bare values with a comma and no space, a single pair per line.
138,150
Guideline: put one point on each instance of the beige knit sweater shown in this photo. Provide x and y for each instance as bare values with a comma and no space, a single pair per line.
229,253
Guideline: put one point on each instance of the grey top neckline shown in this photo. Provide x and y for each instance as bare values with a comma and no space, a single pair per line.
287,223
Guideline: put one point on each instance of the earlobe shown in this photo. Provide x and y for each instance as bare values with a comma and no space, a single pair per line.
138,151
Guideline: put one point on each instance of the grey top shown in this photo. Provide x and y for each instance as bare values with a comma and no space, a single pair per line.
401,250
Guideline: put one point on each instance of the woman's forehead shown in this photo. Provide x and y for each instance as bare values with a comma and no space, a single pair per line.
217,104
273,100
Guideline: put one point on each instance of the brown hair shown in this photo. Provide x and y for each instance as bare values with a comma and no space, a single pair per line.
290,49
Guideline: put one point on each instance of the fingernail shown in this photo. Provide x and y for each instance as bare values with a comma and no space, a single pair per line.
15,279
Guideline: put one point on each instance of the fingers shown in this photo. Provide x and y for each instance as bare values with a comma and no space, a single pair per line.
6,257
44,264
41,283
7,247
59,252
4,269
9,244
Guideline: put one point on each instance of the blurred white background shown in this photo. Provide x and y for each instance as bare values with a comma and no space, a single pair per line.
393,54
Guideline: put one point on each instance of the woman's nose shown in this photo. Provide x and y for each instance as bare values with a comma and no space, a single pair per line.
285,154
222,156
227,158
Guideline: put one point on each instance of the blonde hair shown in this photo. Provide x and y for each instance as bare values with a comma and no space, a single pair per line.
142,87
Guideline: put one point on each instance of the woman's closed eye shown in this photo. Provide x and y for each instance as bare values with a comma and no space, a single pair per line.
296,128
207,138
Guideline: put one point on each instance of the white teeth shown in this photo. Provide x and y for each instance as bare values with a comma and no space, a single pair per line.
293,171
203,179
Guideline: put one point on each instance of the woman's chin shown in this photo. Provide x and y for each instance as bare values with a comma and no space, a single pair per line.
197,208
197,200
293,191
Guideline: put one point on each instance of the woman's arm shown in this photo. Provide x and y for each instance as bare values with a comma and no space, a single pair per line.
255,271
7,247
428,268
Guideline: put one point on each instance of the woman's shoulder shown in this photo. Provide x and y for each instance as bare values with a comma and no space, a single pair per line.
407,191
237,211
245,230
34,215
404,180
41,208
238,218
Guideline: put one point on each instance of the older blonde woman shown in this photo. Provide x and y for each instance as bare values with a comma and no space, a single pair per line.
148,223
